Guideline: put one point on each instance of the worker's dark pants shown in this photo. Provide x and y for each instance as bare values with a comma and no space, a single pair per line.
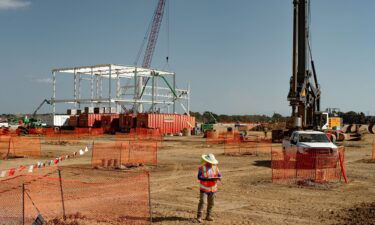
206,197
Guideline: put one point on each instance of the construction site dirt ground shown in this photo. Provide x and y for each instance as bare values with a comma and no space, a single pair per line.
246,194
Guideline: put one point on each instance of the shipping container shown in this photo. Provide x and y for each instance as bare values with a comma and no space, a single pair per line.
89,120
166,123
110,123
127,122
58,120
73,121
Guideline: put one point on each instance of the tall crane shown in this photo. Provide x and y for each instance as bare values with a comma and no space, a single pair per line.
304,95
150,49
154,33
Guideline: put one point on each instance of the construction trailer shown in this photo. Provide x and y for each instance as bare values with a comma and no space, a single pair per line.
117,86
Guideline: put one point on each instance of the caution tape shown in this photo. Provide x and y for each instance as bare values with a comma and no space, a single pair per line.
31,168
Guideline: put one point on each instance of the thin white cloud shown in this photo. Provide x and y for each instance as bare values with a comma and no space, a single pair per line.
43,80
13,4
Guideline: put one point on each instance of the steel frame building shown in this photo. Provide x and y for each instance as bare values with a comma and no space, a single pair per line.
157,91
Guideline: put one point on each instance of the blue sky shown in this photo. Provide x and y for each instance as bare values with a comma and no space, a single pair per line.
236,54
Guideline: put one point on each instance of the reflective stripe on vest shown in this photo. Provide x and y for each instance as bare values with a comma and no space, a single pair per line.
209,186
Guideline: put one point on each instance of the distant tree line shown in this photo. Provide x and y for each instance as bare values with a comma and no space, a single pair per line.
210,117
356,118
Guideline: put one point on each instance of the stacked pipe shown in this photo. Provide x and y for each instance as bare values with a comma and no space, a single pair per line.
371,128
359,128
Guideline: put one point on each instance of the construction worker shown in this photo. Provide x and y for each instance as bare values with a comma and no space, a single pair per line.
208,175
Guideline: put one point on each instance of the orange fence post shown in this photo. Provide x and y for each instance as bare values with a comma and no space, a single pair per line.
342,161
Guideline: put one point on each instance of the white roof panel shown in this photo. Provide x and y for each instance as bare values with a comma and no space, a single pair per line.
105,70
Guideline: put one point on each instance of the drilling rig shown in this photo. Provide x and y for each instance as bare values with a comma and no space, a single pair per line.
304,95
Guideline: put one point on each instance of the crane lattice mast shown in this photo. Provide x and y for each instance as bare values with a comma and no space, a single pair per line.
154,33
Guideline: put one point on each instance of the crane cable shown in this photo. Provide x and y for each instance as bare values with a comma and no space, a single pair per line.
166,66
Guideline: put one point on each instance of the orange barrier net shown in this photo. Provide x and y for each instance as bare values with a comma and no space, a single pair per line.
20,146
10,202
248,147
9,132
5,143
215,137
318,165
146,134
119,153
81,196
66,134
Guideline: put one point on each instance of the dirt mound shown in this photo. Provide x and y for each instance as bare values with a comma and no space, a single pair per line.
363,213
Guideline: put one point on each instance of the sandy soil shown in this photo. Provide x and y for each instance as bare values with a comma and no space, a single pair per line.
246,194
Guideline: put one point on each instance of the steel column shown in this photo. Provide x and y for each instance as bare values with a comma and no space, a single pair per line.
174,89
135,97
54,93
75,88
92,86
153,93
79,89
188,99
110,86
118,87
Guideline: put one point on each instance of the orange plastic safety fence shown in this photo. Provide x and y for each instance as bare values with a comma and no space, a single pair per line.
119,153
107,154
249,147
283,171
89,196
19,146
319,165
25,146
146,134
10,203
214,137
9,132
89,132
5,143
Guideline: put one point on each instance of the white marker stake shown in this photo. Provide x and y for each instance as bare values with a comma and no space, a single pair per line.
81,152
31,168
86,149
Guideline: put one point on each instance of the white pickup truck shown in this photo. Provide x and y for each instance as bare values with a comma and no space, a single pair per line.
305,142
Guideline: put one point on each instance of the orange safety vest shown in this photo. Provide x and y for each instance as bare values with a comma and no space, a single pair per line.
209,186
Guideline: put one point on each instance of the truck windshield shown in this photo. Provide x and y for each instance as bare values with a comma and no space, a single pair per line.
313,138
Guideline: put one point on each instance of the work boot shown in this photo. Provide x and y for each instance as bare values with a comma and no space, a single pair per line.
209,218
199,217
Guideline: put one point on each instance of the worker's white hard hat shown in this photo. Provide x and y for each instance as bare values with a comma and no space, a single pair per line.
210,158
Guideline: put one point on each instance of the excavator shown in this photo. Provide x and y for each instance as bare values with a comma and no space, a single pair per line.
32,122
305,94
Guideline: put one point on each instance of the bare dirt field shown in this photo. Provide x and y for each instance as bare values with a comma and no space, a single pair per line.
246,194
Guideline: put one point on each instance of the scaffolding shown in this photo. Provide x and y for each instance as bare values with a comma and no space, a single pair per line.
157,93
